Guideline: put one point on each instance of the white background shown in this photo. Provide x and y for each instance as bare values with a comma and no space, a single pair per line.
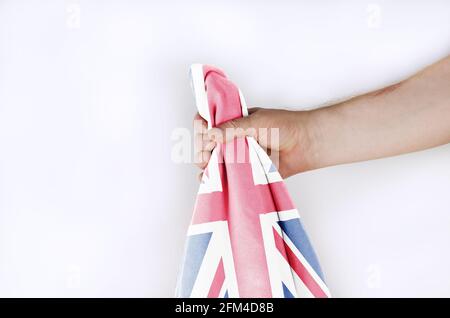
90,92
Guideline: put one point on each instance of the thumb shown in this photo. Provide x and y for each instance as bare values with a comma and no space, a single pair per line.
231,129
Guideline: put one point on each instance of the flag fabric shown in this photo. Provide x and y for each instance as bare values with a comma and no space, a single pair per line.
245,238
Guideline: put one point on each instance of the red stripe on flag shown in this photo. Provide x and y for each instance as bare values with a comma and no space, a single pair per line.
298,267
280,196
217,283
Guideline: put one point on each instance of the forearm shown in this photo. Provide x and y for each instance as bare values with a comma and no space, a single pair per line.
409,116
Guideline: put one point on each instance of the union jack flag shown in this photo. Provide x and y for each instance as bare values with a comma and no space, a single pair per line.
245,238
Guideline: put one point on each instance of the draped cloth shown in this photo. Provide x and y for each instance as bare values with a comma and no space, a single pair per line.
245,238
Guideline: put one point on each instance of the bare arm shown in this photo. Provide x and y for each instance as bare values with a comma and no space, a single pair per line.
409,116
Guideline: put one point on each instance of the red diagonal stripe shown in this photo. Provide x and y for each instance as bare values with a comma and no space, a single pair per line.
298,267
217,283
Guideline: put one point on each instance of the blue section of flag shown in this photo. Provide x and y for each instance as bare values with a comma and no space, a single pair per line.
286,292
296,233
195,251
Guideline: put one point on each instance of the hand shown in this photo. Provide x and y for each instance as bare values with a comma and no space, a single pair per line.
291,146
409,116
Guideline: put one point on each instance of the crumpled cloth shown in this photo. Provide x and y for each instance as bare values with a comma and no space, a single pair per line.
245,238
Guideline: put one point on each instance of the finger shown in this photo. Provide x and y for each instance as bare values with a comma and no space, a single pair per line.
200,125
232,129
203,143
199,140
202,158
200,129
208,145
198,117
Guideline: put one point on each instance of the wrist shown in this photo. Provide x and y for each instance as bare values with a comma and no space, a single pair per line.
308,140
313,138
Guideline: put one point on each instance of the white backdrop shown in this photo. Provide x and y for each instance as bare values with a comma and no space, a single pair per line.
90,91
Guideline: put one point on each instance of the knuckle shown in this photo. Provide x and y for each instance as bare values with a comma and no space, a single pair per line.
233,123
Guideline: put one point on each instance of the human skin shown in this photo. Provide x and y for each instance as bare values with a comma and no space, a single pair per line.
409,116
